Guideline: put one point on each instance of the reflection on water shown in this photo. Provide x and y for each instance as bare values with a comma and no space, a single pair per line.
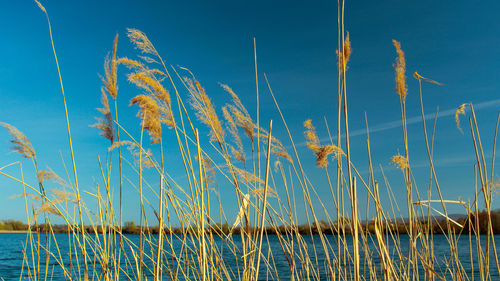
12,245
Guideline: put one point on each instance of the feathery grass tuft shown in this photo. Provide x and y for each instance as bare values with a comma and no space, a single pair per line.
321,152
149,113
238,153
460,110
400,68
141,41
105,124
22,144
205,110
400,161
344,54
111,72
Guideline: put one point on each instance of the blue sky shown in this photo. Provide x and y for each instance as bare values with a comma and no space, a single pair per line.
456,43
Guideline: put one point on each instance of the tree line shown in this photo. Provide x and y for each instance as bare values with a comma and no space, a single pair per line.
437,226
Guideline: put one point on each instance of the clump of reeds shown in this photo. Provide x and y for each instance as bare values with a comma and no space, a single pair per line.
210,247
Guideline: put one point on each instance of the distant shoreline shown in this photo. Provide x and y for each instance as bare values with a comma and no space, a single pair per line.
13,231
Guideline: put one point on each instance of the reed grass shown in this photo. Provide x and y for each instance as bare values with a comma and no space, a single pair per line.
206,243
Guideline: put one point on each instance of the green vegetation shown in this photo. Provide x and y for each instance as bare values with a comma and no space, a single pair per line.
438,226
10,225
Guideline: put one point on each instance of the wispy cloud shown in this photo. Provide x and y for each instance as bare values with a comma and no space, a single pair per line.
412,120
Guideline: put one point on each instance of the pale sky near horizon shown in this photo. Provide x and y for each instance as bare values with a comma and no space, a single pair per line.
453,42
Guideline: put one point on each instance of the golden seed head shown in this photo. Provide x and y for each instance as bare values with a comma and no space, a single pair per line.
135,150
48,207
323,153
344,54
245,176
400,161
419,77
130,63
311,136
277,147
239,153
400,68
44,175
260,192
40,6
460,110
22,144
141,41
146,80
205,110
149,113
63,196
105,124
110,72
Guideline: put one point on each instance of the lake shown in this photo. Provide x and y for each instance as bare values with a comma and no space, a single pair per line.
12,244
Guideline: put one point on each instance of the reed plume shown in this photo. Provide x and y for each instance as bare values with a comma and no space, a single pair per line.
149,113
205,110
344,54
41,7
105,124
260,192
130,63
400,68
460,110
110,72
311,136
146,80
277,147
64,196
28,195
236,100
419,77
135,150
400,161
22,144
245,176
44,175
240,113
141,41
321,152
244,121
238,153
208,167
48,207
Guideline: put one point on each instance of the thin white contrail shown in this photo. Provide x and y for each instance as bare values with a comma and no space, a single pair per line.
412,120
